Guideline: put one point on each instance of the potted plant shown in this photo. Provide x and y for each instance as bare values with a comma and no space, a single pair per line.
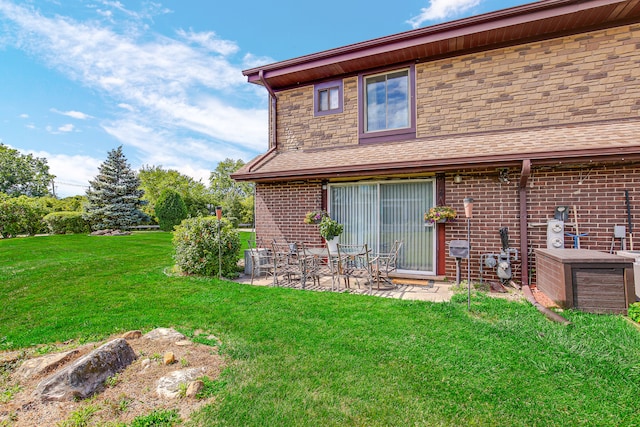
330,230
314,217
439,214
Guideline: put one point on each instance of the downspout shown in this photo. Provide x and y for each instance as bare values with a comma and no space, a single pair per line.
274,115
524,237
274,112
524,247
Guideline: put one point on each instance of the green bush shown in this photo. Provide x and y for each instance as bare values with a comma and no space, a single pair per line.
634,312
196,243
66,223
21,215
170,210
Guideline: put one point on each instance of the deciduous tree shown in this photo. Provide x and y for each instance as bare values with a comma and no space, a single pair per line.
155,179
23,175
236,198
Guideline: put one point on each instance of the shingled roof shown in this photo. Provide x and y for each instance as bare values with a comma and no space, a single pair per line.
587,142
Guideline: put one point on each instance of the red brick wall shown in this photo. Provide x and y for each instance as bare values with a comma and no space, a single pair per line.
600,203
281,208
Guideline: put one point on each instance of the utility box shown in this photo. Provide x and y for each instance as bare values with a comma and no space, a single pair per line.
459,248
591,281
248,260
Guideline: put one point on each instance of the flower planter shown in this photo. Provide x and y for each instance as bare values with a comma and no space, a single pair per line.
333,245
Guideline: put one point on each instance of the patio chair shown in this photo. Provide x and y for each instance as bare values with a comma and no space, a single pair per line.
261,259
386,263
308,265
354,262
285,262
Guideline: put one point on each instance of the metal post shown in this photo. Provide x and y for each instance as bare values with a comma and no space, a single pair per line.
468,212
219,216
469,264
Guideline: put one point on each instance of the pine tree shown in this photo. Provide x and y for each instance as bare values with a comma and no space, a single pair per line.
114,196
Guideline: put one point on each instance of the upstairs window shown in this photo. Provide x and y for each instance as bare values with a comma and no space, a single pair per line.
328,98
387,101
387,110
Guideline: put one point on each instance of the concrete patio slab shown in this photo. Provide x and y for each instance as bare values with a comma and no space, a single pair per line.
435,292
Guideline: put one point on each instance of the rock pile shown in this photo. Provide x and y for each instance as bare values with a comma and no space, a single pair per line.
110,232
161,369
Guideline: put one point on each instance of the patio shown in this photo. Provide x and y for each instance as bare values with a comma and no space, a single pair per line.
436,292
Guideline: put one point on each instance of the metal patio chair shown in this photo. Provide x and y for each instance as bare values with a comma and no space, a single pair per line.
354,262
261,259
386,263
285,262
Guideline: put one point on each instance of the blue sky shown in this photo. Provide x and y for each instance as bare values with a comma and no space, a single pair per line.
164,78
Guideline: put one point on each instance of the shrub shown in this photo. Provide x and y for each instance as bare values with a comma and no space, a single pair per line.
21,215
170,209
196,246
634,312
66,223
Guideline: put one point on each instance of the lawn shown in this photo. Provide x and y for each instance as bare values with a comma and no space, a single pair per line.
309,358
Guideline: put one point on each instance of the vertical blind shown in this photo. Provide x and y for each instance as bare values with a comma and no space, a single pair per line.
380,213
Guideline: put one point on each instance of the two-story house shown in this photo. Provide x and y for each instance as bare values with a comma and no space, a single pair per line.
524,110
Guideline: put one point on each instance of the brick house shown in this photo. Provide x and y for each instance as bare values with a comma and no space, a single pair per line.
523,109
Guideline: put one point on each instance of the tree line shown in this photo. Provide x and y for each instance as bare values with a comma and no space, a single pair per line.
117,197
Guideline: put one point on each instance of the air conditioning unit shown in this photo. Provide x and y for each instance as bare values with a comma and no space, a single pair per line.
555,234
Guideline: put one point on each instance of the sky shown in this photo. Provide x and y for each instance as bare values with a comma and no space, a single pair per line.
163,79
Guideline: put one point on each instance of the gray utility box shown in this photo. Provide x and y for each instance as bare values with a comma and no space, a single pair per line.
265,260
459,248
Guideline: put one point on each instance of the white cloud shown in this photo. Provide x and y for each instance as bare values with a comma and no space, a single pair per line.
175,99
442,9
210,41
24,116
66,128
73,114
252,61
72,172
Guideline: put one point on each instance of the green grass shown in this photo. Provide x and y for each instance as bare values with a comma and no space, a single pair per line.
309,358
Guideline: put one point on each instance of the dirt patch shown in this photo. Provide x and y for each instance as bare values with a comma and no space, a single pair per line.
129,394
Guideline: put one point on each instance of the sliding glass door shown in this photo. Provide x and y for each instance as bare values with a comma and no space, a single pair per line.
378,213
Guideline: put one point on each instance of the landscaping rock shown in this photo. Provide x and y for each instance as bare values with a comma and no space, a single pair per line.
183,343
44,364
169,358
132,335
110,232
194,388
169,385
164,334
84,376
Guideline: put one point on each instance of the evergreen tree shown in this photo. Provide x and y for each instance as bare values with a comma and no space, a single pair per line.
170,209
114,196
